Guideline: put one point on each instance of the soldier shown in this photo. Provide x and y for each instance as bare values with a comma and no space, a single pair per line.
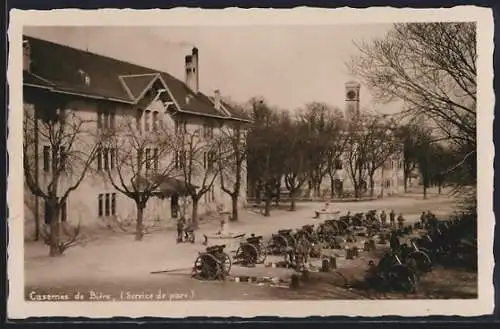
431,219
383,217
392,218
180,229
302,252
394,242
401,221
423,218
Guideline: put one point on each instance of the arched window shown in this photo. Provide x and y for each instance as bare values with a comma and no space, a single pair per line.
138,117
147,121
155,121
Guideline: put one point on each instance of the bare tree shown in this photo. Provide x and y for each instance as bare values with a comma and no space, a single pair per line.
266,153
295,164
68,151
318,118
197,159
412,135
380,145
336,148
137,161
432,68
232,158
355,154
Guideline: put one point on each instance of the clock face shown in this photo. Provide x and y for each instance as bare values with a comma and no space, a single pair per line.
351,94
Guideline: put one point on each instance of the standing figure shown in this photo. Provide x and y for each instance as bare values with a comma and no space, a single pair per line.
401,221
392,218
180,229
383,218
394,242
423,218
222,224
303,251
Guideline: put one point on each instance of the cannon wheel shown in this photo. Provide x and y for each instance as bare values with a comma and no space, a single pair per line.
281,245
402,278
202,268
341,227
262,255
423,261
227,264
244,254
292,242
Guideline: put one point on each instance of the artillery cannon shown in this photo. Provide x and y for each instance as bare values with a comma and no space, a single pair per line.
251,252
328,231
358,219
392,274
280,242
212,264
308,232
415,257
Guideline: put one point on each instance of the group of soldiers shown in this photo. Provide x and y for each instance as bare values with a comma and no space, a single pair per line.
374,216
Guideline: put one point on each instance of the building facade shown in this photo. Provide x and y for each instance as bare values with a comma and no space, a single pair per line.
103,93
388,179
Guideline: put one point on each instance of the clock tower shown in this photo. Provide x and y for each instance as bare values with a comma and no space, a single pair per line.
351,99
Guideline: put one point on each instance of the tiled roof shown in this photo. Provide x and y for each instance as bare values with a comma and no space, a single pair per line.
73,70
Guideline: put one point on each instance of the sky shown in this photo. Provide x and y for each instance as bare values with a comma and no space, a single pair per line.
287,65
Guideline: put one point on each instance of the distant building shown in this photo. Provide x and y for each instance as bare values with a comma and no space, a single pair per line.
388,179
102,89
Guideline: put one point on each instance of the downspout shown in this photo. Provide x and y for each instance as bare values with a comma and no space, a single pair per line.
37,165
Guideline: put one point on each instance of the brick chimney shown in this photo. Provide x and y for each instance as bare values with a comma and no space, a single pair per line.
192,74
26,56
217,100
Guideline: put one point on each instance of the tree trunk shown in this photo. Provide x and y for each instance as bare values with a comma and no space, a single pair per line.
194,214
405,179
139,224
278,194
439,187
258,191
234,201
37,219
425,191
292,199
356,190
55,233
267,207
372,186
332,187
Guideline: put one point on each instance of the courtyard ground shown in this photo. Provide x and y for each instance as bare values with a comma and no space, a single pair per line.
116,264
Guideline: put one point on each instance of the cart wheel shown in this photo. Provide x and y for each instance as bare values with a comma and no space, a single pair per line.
211,272
271,246
401,278
197,268
238,257
422,260
227,264
262,255
252,254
